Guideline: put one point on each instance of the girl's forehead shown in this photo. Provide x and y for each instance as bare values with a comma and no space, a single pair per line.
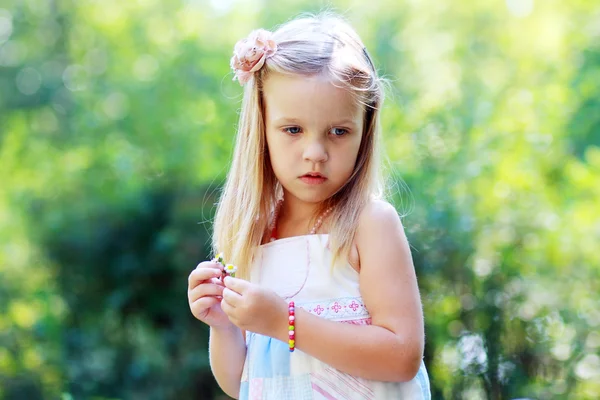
295,96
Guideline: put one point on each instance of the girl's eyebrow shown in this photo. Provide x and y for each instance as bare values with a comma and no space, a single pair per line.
284,120
287,120
345,122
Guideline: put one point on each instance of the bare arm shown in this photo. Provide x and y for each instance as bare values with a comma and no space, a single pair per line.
227,344
227,349
391,348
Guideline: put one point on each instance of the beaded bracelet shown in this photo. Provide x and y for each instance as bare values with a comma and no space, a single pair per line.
291,326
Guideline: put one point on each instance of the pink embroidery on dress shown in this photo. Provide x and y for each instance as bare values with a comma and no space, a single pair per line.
341,308
362,321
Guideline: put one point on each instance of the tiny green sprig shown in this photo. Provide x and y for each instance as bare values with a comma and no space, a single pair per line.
218,258
229,269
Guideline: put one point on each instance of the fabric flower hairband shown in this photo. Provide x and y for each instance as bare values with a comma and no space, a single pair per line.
249,54
229,269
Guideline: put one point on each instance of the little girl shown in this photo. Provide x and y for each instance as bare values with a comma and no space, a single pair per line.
324,303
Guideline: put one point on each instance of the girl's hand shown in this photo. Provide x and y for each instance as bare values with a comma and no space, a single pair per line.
255,309
205,291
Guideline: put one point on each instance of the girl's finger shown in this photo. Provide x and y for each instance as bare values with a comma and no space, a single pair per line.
237,285
231,298
217,281
205,289
200,275
227,308
203,303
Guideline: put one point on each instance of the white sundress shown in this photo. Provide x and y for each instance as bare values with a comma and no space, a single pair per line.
300,267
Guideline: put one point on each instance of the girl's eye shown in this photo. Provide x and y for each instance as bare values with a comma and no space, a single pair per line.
338,131
293,130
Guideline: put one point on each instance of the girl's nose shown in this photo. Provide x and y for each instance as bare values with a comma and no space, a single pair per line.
315,152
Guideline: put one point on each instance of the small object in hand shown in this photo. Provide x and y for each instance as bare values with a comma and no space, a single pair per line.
230,270
218,258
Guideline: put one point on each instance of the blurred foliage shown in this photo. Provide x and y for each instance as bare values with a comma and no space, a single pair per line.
116,128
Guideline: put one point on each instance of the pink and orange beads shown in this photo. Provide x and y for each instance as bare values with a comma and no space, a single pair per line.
291,326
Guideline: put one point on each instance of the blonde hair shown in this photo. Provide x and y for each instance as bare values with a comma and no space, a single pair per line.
312,45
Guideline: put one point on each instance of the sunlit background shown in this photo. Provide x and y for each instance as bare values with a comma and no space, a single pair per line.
116,128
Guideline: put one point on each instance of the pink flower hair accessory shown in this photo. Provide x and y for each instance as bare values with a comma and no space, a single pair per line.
249,54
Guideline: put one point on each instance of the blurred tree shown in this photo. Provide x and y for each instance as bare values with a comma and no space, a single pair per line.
122,270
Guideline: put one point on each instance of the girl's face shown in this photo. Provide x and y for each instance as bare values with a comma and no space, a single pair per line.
313,128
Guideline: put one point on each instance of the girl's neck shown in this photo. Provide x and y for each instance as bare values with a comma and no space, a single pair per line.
297,212
297,215
293,218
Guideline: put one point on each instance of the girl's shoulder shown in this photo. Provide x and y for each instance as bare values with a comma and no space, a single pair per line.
378,211
378,222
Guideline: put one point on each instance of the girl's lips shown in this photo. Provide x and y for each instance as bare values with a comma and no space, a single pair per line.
313,180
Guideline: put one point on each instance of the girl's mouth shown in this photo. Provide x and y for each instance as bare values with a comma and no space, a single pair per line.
313,179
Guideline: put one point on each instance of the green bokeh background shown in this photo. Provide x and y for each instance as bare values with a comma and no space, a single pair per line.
116,128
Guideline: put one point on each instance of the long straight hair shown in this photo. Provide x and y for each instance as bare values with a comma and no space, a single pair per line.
324,45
